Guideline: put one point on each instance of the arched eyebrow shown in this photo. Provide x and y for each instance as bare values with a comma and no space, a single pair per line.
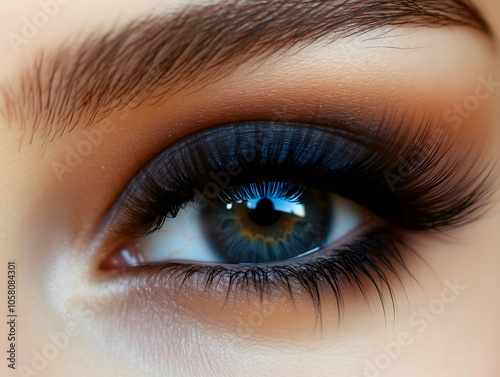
81,81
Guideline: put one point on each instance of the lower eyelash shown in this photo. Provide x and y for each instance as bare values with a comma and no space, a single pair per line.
373,259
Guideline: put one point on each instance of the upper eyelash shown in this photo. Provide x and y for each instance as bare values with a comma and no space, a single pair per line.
374,257
275,190
416,205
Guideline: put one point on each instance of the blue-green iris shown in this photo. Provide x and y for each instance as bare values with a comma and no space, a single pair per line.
270,227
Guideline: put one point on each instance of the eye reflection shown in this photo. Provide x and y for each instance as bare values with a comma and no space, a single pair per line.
254,223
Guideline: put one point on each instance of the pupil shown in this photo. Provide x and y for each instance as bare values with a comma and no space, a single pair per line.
264,214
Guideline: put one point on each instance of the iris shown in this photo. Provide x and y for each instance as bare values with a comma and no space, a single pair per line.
268,221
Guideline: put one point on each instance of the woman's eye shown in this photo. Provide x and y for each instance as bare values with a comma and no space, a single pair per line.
287,206
260,222
249,193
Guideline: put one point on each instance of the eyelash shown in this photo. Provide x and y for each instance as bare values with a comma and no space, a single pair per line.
373,257
157,193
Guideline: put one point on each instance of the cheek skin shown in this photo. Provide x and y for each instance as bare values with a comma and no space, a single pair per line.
186,324
175,329
468,326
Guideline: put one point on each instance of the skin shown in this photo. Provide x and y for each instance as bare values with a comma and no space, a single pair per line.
120,328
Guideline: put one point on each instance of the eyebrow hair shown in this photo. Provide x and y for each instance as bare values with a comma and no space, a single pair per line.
83,81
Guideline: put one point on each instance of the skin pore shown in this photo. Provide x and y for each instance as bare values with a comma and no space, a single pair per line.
439,318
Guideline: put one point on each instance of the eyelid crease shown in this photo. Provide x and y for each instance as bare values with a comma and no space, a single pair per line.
84,81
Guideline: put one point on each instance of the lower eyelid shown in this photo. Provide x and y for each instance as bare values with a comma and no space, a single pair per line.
369,241
217,297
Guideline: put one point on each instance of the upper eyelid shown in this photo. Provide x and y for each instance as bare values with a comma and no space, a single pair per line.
140,57
411,205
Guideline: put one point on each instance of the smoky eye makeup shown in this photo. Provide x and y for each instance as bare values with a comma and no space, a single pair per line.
282,208
209,165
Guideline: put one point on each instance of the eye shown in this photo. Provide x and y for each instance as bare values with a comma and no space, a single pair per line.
256,223
272,207
250,193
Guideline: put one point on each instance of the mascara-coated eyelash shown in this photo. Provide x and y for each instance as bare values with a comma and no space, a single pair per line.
214,164
371,258
325,158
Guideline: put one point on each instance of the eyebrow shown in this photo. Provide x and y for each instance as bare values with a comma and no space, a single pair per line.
83,81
